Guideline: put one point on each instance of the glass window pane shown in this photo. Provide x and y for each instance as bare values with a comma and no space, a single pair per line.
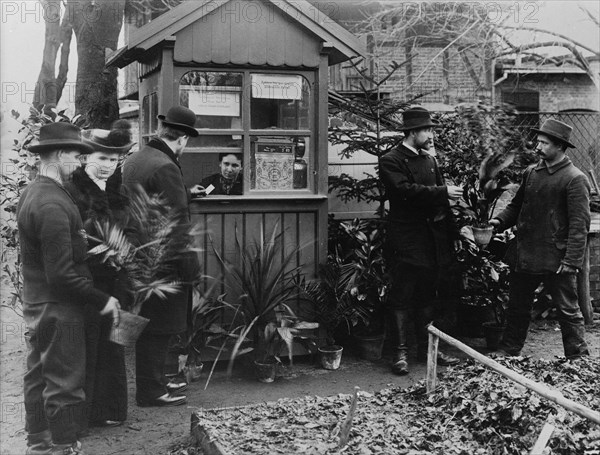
279,102
215,97
280,163
221,174
217,161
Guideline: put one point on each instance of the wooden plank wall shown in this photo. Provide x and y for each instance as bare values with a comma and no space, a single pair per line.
247,32
298,228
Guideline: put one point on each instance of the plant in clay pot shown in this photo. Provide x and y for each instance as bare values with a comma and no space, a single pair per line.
358,253
484,284
334,306
266,282
144,250
481,149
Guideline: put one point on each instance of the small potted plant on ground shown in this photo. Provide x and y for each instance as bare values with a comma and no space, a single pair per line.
484,287
204,326
333,304
362,250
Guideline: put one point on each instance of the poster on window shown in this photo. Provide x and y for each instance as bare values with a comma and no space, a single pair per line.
277,86
274,171
215,102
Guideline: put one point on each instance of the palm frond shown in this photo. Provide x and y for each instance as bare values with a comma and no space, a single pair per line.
146,245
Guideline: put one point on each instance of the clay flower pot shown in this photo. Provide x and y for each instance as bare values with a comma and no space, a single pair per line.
331,356
482,235
493,334
265,370
370,347
129,329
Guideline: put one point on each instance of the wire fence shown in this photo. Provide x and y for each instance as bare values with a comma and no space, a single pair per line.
585,135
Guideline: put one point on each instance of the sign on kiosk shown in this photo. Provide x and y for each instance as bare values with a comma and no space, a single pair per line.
277,86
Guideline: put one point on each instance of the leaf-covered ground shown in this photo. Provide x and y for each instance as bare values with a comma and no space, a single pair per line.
473,411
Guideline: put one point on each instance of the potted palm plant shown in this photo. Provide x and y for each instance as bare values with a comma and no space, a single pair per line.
267,284
143,249
330,296
361,248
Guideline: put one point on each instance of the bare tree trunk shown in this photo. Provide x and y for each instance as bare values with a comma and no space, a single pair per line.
66,32
45,95
97,24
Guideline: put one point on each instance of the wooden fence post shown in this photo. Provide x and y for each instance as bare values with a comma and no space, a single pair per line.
432,352
540,389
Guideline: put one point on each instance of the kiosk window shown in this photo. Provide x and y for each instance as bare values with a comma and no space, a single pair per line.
279,101
215,97
255,131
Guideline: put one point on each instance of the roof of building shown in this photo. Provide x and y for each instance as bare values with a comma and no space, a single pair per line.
343,45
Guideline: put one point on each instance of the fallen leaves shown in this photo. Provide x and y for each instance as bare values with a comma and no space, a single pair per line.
473,411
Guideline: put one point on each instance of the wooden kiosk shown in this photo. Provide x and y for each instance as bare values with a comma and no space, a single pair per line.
256,74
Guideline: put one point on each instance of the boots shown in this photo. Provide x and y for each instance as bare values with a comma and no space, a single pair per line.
400,361
39,443
73,448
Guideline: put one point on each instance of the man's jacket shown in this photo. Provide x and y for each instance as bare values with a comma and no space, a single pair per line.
157,170
551,210
54,247
420,225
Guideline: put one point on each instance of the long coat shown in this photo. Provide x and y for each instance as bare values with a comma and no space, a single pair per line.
420,226
551,210
106,377
156,169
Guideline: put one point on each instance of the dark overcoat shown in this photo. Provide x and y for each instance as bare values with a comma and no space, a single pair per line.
551,210
420,226
156,168
106,377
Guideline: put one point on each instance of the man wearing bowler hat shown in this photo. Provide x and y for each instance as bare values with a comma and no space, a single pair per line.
420,233
156,168
57,284
551,211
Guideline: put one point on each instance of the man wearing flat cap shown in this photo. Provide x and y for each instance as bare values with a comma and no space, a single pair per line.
57,284
551,211
420,233
156,168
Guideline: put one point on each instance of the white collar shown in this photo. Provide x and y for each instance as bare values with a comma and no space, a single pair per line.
99,182
411,148
416,152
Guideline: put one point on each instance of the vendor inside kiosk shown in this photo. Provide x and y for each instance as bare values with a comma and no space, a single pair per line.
273,119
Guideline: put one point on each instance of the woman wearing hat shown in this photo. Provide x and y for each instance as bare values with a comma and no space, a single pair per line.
95,189
56,283
551,210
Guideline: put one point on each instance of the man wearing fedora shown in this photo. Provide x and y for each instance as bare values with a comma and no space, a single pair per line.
57,284
551,211
420,233
156,168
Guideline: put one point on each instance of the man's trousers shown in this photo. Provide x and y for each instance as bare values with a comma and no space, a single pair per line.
53,384
563,290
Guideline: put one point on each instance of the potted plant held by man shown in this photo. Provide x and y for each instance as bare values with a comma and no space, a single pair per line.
143,249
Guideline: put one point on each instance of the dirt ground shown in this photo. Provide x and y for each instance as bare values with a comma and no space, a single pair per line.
155,430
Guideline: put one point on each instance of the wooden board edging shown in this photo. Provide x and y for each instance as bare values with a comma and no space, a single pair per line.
203,438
